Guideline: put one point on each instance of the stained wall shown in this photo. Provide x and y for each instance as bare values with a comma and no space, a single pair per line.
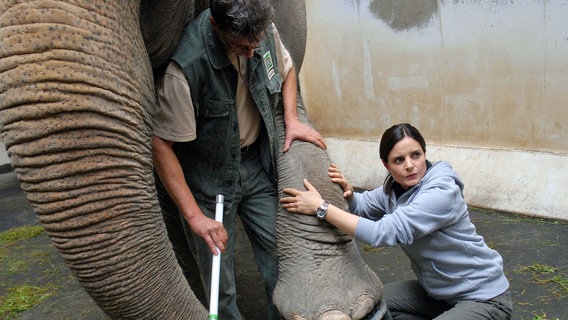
484,81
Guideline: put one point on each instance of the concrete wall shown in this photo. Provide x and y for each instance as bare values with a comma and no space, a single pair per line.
485,81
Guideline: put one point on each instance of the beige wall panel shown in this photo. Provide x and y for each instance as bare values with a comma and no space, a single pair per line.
489,77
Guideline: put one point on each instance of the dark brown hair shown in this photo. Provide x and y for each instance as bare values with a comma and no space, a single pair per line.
390,138
246,18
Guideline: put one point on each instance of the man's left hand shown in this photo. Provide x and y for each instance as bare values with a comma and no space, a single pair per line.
302,132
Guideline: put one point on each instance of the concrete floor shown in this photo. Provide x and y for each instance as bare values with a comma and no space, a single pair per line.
528,246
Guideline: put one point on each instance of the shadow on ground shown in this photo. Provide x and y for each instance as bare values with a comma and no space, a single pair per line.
535,253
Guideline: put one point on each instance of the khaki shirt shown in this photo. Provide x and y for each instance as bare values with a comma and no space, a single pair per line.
175,119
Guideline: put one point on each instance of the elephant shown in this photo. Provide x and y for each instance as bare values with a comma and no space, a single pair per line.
77,98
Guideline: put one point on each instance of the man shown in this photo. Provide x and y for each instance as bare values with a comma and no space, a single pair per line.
215,134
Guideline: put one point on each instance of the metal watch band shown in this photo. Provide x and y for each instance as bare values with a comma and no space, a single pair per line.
322,210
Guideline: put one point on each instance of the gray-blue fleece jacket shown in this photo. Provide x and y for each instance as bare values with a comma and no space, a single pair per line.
431,223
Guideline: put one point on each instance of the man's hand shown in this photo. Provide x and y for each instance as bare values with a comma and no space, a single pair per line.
212,232
295,130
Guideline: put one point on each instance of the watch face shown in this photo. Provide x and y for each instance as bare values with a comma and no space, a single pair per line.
322,210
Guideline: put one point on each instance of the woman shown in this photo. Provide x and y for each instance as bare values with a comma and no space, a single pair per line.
420,207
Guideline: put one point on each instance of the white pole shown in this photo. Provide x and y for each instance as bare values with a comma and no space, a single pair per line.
216,266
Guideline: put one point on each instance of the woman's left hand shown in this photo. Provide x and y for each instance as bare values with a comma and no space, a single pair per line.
305,202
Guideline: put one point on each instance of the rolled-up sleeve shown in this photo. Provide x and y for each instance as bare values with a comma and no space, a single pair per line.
175,118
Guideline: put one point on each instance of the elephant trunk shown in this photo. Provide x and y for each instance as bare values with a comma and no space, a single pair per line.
76,98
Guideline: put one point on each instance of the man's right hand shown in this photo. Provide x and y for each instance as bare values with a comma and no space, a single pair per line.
171,174
212,232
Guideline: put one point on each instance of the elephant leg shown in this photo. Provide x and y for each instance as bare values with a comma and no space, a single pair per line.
322,274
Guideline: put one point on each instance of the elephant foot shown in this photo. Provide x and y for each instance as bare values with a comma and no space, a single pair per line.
378,312
359,312
330,281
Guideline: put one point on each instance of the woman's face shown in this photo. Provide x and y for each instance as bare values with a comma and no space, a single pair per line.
406,162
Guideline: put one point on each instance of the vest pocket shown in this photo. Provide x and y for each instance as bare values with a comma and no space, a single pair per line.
274,85
214,109
217,133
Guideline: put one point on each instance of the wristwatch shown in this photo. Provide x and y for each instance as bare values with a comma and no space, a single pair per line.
322,210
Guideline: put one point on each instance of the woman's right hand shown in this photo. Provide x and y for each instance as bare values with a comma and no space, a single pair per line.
338,178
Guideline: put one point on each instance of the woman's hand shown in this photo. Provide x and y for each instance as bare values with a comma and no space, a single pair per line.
305,202
338,178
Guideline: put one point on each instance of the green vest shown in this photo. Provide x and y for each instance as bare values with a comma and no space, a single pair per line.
211,161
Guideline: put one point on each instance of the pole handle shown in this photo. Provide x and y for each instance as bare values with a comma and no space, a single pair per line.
216,265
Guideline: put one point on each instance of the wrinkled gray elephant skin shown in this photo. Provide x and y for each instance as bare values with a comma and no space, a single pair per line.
322,275
76,97
76,102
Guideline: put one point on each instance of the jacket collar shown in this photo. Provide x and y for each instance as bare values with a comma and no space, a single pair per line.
215,49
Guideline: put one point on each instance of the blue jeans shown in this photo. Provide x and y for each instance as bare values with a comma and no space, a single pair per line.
256,205
407,300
